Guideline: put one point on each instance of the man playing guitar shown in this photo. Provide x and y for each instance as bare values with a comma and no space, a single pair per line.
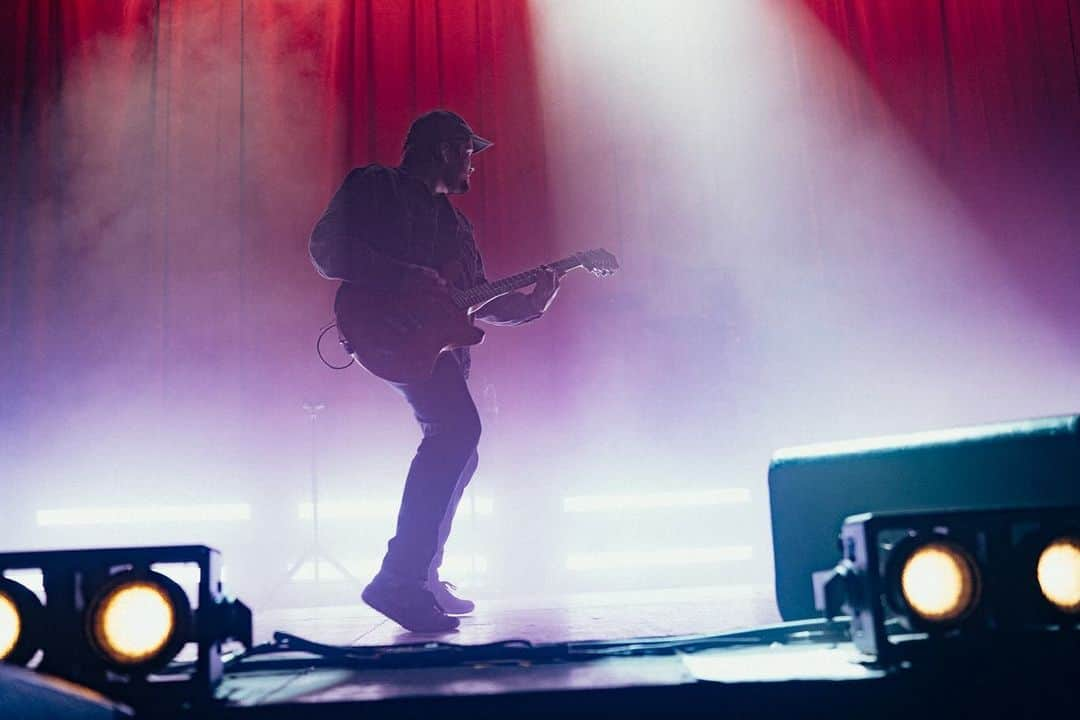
394,230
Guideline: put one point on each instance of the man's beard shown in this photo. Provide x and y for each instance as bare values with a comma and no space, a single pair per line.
460,187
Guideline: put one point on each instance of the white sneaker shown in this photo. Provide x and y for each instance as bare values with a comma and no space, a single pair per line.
448,602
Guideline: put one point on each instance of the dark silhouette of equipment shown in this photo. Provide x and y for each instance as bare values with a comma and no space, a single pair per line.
1024,464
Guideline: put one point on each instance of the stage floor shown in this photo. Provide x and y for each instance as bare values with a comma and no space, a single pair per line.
553,618
752,681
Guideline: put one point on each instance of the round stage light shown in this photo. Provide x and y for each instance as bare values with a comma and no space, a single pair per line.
10,625
20,622
135,622
139,620
1058,572
939,582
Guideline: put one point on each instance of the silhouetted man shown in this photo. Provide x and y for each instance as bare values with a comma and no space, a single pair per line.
395,228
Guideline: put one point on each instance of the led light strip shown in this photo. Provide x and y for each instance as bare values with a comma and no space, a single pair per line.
658,558
456,565
381,508
144,514
652,501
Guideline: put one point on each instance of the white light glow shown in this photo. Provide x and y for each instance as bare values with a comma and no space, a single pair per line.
459,566
464,565
653,501
186,575
889,443
657,558
32,580
135,622
937,583
692,594
350,509
144,514
327,571
10,625
706,121
1058,572
381,508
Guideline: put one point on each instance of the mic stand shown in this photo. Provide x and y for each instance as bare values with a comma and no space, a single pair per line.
315,553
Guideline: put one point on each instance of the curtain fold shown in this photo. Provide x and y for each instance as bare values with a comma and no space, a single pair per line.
164,161
990,91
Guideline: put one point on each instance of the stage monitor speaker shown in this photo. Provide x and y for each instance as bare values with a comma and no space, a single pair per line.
812,488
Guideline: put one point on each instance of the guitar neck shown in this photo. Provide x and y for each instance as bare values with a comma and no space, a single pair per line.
491,290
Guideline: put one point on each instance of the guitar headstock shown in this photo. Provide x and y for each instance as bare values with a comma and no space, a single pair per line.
599,262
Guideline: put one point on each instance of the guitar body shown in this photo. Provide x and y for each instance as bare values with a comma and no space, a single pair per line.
370,321
382,349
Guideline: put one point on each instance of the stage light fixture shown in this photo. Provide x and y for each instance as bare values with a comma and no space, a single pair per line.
955,579
937,580
139,620
114,621
20,623
1058,574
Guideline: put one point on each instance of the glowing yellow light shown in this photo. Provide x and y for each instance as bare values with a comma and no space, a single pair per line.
1059,574
134,622
10,626
938,582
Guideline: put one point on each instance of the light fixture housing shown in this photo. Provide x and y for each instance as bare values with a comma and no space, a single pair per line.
20,623
1045,574
933,582
79,621
138,621
984,561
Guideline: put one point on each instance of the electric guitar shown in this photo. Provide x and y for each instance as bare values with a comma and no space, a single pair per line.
442,317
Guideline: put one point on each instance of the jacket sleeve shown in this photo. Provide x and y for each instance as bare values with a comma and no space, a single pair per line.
339,247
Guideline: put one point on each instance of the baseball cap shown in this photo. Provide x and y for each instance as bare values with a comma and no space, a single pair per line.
438,125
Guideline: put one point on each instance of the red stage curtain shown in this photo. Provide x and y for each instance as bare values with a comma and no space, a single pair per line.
991,91
163,162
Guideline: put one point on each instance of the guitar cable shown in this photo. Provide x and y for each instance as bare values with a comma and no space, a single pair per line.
318,348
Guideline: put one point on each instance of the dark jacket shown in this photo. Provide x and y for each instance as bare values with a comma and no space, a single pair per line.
382,218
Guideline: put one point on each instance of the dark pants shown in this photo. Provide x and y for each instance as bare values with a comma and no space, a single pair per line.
443,466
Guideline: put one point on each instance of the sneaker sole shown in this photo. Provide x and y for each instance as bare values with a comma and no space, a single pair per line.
385,610
472,607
